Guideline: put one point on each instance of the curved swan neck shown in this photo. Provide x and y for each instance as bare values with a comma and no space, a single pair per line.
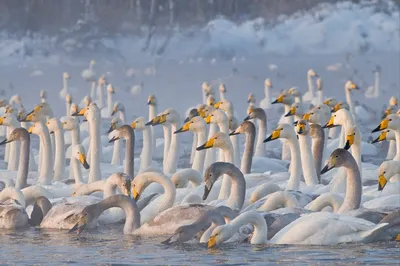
326,200
310,174
169,188
349,101
279,199
238,187
247,158
352,199
260,226
12,193
318,143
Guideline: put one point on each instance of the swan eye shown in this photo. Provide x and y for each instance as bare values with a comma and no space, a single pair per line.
210,174
334,115
312,113
384,172
390,119
337,156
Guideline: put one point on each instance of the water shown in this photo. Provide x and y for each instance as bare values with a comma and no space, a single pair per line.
109,246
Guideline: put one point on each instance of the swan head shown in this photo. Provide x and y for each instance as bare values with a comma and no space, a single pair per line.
219,235
222,88
17,134
205,86
66,75
251,98
311,73
207,110
393,101
43,94
201,111
233,123
338,158
142,181
386,170
219,140
211,175
268,83
319,84
87,100
110,89
168,116
36,128
68,98
102,80
244,127
16,98
21,115
319,114
210,100
192,113
78,151
350,85
124,182
196,124
53,125
216,116
284,98
339,106
125,131
224,105
284,131
7,119
302,127
295,109
382,136
152,100
83,220
69,123
331,102
352,135
38,112
390,122
118,107
253,113
294,91
388,111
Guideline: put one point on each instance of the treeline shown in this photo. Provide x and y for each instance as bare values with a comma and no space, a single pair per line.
113,16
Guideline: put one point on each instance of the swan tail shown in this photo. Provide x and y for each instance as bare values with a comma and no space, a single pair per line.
366,236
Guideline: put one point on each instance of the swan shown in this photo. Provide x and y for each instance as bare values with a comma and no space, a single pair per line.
147,152
389,170
286,131
192,113
100,92
78,156
296,110
13,215
127,133
183,176
249,130
287,100
92,114
259,113
71,124
348,87
332,102
309,95
266,102
307,161
89,74
317,135
68,102
170,116
389,136
119,108
110,105
222,91
391,122
55,127
198,126
117,149
64,91
205,223
152,103
9,120
223,233
61,213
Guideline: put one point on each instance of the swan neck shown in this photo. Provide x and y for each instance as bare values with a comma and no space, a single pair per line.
310,174
199,159
172,160
352,198
262,131
146,155
129,152
59,160
397,136
238,188
23,167
46,169
167,142
260,227
294,179
248,151
95,149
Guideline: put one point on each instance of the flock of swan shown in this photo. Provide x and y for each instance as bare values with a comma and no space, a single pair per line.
311,187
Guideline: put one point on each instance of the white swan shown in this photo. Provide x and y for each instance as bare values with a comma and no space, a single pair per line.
152,103
389,136
265,103
391,122
117,149
389,171
348,87
260,115
55,127
9,120
147,151
127,133
64,91
89,74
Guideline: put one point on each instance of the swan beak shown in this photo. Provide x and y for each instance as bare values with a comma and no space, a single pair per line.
336,107
1,120
233,133
397,237
349,141
291,112
135,193
331,123
212,242
114,112
383,125
208,119
206,192
5,141
381,182
30,130
133,125
161,119
353,86
327,102
111,129
331,164
388,111
279,99
170,240
247,118
74,194
207,145
29,117
80,225
82,159
218,104
275,134
113,139
80,113
307,116
184,128
381,137
301,128
202,112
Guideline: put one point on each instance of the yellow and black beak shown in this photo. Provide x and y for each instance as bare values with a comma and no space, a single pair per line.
353,86
336,107
212,242
80,225
387,112
30,130
114,138
80,113
331,123
133,125
331,164
207,145
5,142
275,135
115,110
291,112
184,128
327,102
135,193
158,120
381,137
349,141
217,105
306,116
383,125
279,99
233,133
301,128
82,159
382,181
1,120
202,112
112,128
208,119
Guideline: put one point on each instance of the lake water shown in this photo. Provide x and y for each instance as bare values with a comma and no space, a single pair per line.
109,246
